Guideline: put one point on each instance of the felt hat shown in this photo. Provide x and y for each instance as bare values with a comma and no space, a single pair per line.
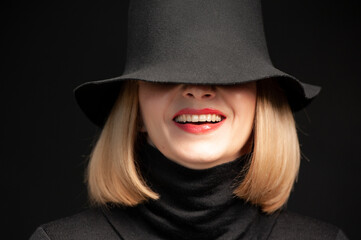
193,42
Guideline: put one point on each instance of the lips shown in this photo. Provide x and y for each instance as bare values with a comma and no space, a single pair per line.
198,121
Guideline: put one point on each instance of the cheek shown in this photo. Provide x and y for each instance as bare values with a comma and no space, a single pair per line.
153,102
248,106
243,99
149,107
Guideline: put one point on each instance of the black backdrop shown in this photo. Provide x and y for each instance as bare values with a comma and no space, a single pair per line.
49,47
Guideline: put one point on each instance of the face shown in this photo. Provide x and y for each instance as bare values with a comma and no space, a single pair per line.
198,126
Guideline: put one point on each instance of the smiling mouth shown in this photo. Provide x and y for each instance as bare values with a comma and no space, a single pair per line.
198,119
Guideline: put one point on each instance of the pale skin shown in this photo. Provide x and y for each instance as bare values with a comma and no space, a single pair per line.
160,102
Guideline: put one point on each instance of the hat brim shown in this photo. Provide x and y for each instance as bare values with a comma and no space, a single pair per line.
97,98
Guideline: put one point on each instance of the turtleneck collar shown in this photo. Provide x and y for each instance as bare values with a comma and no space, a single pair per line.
193,204
189,189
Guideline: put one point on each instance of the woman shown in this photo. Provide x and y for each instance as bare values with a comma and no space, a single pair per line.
198,138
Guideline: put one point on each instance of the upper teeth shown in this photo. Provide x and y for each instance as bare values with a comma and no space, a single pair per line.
198,118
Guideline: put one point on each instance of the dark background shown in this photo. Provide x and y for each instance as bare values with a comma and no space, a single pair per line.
50,47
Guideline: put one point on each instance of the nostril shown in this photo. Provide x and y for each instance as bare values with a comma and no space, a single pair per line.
199,92
207,95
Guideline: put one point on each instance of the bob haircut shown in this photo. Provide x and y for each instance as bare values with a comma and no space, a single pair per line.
113,176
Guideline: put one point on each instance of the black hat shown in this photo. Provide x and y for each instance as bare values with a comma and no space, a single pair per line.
193,42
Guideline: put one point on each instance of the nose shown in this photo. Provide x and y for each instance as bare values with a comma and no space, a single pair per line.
200,92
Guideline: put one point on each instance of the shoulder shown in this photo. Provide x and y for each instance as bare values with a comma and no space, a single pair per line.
294,226
90,224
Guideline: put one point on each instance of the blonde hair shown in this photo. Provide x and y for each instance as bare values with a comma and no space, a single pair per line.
275,161
113,176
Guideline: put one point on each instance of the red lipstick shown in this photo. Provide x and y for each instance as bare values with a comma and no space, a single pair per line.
201,126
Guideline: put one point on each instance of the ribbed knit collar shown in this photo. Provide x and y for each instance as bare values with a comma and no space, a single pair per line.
193,204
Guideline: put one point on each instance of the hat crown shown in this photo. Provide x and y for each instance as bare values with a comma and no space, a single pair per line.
199,37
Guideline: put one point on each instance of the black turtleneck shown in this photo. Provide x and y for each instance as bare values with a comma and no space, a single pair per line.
193,204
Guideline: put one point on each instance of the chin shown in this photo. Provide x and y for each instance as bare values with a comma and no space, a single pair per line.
198,157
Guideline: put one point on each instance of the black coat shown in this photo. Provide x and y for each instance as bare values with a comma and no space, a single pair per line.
96,224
